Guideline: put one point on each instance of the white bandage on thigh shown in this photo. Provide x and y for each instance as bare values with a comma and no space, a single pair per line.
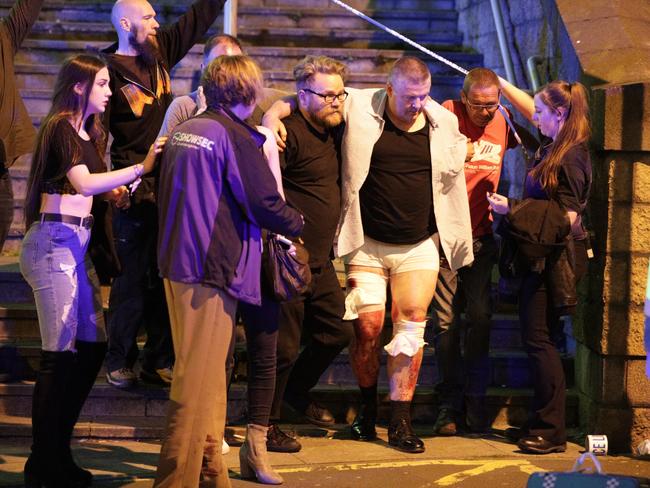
408,338
367,295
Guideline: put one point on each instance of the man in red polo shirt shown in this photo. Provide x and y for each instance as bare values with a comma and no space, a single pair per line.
464,375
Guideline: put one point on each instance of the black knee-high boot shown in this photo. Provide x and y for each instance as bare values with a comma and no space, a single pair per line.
43,468
88,362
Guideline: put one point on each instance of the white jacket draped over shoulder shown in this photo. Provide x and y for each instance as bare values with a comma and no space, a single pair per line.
364,120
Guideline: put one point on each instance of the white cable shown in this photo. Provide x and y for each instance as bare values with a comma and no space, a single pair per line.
424,50
401,37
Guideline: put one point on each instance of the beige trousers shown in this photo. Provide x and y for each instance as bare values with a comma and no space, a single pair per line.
202,322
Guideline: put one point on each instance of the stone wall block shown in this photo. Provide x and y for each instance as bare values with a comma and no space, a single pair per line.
588,372
629,227
616,424
602,378
637,384
638,281
619,336
573,10
620,228
642,179
627,108
640,227
628,30
615,281
621,180
625,427
640,429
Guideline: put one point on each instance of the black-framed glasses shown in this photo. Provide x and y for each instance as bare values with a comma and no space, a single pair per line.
327,98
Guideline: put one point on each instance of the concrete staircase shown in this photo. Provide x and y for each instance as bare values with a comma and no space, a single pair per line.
277,33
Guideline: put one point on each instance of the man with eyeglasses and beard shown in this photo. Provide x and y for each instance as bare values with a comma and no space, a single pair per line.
310,165
464,376
139,65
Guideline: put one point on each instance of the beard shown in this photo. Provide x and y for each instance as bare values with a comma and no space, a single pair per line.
329,120
148,51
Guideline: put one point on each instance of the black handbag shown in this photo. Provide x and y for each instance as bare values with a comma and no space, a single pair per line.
287,275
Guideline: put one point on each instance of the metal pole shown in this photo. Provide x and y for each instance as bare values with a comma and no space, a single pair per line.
230,18
503,41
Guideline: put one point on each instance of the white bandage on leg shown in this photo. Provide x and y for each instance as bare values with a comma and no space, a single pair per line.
367,295
408,338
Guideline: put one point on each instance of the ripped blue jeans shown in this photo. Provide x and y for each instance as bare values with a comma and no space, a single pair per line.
54,262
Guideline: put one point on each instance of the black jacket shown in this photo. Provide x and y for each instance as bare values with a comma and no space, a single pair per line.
542,232
135,113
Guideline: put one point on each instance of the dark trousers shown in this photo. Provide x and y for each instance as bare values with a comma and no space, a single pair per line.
6,206
316,316
466,370
539,323
138,296
261,326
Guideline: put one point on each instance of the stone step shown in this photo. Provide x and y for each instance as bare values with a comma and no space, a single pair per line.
41,79
17,228
260,27
363,5
93,19
112,413
272,35
19,360
17,303
47,51
20,345
176,7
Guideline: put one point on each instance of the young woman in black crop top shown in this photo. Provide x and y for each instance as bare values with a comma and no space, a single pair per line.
67,171
561,173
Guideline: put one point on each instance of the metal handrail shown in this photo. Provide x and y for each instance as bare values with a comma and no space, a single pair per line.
533,76
503,41
230,18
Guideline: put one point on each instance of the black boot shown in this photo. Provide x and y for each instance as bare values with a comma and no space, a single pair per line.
400,432
43,467
363,426
89,359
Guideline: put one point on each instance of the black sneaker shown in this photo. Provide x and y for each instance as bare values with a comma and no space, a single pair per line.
278,441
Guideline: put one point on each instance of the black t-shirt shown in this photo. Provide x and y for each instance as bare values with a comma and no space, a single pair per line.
396,198
59,159
310,177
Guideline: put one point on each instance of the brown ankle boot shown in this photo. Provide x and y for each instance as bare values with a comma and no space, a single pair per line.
253,458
